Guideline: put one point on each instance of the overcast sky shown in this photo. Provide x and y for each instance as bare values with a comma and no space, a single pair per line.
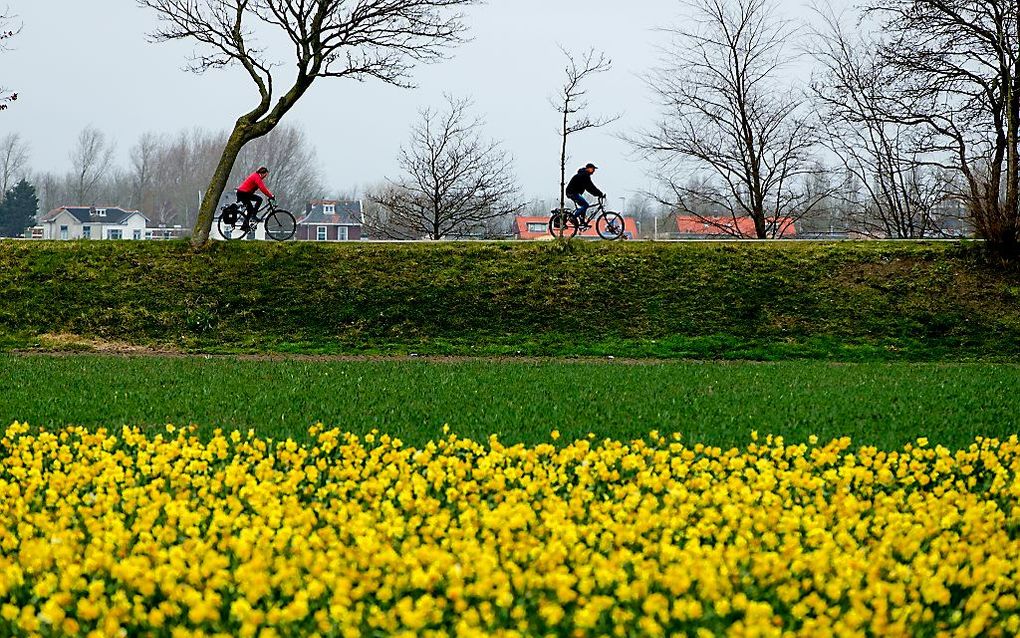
82,62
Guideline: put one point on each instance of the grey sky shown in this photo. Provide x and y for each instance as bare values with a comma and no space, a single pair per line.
81,62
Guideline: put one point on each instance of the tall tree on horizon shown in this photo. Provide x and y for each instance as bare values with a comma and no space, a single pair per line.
14,153
455,182
380,39
91,162
572,106
733,142
954,73
885,159
18,209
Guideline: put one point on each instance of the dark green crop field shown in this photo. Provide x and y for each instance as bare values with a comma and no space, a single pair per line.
883,404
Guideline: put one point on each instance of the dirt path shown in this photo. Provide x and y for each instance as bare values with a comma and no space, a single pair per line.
131,352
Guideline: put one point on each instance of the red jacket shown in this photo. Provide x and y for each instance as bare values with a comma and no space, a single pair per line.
254,182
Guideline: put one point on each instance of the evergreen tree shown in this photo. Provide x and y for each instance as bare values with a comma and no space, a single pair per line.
18,209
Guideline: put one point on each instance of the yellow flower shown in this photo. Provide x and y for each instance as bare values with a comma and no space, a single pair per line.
256,536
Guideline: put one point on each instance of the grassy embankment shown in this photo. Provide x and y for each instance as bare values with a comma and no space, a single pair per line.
849,302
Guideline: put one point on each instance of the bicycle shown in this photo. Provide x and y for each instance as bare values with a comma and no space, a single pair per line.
565,224
234,222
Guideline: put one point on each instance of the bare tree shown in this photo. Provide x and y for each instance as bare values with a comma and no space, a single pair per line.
732,140
144,156
6,33
571,104
456,181
644,210
329,38
91,161
954,71
183,166
14,155
904,193
379,222
49,188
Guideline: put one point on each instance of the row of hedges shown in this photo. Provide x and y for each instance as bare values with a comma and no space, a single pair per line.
926,300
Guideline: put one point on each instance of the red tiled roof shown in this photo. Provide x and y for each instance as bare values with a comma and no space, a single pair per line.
521,228
724,226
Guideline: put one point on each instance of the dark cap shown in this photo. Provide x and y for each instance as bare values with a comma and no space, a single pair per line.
592,166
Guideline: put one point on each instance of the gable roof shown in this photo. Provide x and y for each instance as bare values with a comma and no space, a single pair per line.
345,213
94,215
724,226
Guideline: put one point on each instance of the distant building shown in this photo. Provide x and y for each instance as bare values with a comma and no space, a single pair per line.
331,220
92,222
694,227
537,227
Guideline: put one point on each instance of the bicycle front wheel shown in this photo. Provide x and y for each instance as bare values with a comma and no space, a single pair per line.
610,226
280,225
562,225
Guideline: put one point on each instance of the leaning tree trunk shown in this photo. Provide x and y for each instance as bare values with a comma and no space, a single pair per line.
240,136
248,127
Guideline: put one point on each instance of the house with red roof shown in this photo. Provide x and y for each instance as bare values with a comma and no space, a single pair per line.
696,227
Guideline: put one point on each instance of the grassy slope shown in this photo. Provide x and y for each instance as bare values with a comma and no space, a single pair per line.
744,301
884,404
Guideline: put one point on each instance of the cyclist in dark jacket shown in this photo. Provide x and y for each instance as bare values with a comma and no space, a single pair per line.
578,185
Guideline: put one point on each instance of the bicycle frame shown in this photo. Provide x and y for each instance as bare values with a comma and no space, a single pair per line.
593,211
261,213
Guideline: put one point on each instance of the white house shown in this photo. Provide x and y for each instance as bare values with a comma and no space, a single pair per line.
83,222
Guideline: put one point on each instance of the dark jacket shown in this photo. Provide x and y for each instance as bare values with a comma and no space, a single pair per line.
582,182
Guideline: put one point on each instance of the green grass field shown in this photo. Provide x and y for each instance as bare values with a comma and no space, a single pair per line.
883,404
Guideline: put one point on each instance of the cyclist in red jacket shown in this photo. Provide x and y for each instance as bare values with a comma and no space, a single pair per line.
246,192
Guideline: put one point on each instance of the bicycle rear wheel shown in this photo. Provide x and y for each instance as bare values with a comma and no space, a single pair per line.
231,227
610,225
562,225
280,225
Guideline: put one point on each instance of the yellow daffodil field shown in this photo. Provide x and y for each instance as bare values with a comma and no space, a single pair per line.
143,533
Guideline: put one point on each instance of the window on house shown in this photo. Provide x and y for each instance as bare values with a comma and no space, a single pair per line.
86,232
329,209
63,232
115,233
536,227
320,233
137,234
100,212
342,233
